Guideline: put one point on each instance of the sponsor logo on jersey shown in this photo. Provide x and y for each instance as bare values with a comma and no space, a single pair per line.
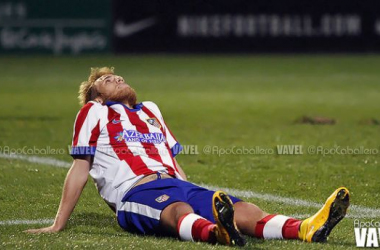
153,122
135,136
162,198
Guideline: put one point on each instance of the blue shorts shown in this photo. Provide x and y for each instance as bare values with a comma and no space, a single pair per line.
142,205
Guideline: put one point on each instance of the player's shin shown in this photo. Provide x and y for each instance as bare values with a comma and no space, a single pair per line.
192,227
277,227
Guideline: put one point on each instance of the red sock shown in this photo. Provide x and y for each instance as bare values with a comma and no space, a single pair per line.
277,227
192,227
291,228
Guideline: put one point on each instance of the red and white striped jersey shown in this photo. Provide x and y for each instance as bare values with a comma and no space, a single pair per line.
126,144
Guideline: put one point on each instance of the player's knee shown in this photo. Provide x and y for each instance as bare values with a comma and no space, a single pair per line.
180,209
172,214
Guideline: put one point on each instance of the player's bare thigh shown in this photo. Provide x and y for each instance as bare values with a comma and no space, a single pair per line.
171,215
246,217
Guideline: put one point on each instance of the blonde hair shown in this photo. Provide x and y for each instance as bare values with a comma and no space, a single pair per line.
87,92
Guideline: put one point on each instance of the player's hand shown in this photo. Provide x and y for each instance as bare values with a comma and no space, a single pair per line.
51,229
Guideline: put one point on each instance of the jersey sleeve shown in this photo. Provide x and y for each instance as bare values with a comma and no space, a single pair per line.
86,131
174,145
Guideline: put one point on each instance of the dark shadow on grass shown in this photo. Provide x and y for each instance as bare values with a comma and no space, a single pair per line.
100,220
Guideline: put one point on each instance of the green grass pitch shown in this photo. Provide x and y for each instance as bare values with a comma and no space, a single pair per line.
223,101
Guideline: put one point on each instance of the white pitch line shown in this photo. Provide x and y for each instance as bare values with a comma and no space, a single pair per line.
27,222
35,159
266,197
355,211
349,215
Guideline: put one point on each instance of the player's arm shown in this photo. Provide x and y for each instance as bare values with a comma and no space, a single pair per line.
75,181
180,170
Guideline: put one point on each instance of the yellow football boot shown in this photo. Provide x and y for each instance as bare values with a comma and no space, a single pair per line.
225,231
318,227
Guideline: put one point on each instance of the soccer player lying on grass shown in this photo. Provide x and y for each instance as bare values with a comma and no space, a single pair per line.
129,151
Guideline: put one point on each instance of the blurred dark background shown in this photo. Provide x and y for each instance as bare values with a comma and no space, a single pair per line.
188,26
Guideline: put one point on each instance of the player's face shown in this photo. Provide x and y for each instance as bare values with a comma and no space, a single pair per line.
113,88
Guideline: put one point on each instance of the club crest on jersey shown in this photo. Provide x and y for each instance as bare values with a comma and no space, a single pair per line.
162,198
153,122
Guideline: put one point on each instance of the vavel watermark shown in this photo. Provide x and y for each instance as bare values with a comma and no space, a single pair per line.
367,234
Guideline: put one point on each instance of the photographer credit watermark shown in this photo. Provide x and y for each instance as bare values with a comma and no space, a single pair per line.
32,150
237,150
295,149
193,149
289,149
367,233
341,150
